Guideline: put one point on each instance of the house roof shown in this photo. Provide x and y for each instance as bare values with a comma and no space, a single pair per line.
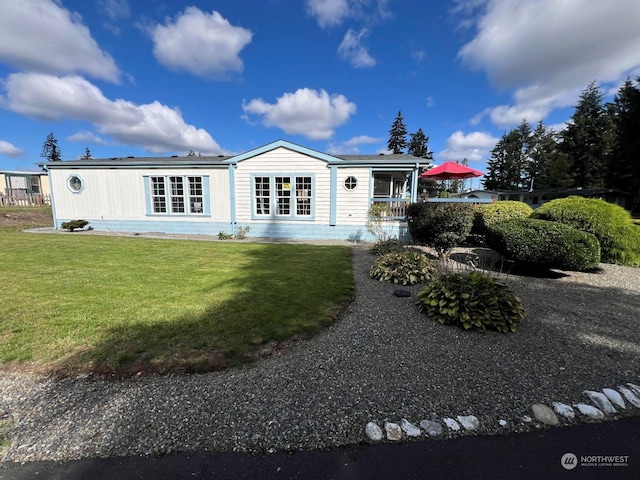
225,160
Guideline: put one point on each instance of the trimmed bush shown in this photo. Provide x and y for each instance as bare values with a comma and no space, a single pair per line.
441,226
544,244
472,300
610,223
74,225
383,247
489,213
406,268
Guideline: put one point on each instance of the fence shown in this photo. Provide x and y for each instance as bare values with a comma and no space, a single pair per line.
25,200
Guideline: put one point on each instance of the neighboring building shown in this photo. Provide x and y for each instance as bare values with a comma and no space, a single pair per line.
280,190
535,198
18,188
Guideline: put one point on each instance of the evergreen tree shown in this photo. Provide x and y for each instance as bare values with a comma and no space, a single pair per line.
587,140
509,165
624,168
87,154
398,135
50,149
548,166
419,145
191,153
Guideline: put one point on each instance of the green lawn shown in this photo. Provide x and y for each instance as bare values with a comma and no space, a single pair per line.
77,303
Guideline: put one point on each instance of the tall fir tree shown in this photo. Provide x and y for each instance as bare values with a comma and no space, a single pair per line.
587,140
508,166
419,145
397,135
50,149
548,166
624,168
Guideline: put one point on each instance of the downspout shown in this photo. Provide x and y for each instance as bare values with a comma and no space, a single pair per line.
232,197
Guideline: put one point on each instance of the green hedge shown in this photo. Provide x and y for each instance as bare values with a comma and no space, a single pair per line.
611,224
490,213
544,244
441,226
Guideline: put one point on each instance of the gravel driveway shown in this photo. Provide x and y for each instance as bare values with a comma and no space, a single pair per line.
381,361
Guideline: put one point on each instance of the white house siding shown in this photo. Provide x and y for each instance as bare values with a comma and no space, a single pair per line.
283,161
353,205
115,198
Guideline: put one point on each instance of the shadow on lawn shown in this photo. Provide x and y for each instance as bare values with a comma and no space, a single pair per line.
215,339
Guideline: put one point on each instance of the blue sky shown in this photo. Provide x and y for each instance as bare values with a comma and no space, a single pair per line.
147,77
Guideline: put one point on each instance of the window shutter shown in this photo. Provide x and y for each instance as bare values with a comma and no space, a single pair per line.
206,196
147,194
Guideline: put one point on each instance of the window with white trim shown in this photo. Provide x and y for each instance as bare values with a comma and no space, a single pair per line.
350,183
179,195
283,196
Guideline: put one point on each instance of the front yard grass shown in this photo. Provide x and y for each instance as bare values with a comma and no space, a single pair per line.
74,303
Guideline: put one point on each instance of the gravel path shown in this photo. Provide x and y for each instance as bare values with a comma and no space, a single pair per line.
382,361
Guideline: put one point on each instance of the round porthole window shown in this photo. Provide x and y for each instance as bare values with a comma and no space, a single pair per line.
350,183
75,183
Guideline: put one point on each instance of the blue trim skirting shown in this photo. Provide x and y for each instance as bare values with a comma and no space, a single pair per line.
274,230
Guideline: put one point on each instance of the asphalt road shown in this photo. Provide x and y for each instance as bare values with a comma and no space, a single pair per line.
532,455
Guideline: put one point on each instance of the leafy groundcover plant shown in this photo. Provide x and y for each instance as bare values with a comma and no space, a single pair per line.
406,268
471,300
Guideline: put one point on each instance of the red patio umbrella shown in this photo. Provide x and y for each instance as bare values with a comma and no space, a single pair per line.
450,171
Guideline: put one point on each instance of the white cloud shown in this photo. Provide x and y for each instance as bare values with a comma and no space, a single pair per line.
153,126
352,146
548,51
314,114
472,146
330,13
352,50
10,150
87,138
203,44
62,45
115,9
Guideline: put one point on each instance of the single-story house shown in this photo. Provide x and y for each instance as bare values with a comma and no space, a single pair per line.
24,188
279,190
535,198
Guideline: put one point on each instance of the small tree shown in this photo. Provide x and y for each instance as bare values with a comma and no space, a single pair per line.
398,135
441,226
191,153
87,155
375,221
50,149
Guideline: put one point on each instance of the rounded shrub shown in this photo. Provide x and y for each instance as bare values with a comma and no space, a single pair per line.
489,213
406,268
382,247
610,223
544,244
472,300
441,226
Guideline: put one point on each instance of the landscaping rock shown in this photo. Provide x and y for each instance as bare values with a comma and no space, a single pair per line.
600,400
503,423
630,396
469,422
589,411
409,428
564,410
433,429
544,414
614,397
394,432
402,293
452,424
374,432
